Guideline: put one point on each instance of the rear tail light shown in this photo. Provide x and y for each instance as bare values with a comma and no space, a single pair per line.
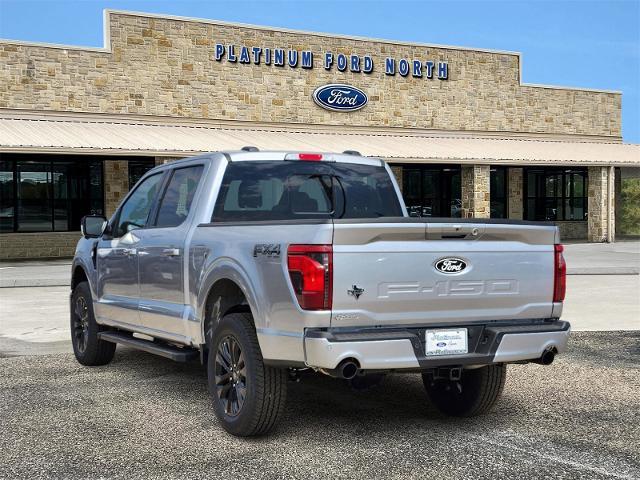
311,273
310,157
560,274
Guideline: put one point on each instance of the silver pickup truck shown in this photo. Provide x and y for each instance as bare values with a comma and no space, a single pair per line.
265,264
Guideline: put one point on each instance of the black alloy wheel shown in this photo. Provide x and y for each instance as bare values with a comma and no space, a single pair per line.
248,396
230,376
88,348
80,324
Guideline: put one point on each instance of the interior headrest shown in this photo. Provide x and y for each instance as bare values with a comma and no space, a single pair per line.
249,194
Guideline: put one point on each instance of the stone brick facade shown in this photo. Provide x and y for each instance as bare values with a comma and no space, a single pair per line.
599,198
161,66
38,245
475,191
166,67
515,186
572,230
397,171
116,184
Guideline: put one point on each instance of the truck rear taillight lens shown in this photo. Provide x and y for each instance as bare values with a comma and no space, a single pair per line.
311,273
560,274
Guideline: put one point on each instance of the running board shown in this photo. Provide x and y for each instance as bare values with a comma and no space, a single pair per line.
176,354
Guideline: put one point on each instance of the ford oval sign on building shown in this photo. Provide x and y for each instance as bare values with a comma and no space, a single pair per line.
340,98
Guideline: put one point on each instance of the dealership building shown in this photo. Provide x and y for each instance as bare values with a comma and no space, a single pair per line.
464,135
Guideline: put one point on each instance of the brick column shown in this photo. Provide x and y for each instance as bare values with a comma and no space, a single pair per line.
116,184
515,187
397,172
600,205
475,191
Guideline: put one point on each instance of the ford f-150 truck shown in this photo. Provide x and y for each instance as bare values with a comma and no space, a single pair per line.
264,264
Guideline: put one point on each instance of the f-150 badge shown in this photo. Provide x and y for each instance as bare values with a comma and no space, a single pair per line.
355,292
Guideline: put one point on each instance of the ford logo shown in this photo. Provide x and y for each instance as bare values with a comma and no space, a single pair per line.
441,344
340,98
450,265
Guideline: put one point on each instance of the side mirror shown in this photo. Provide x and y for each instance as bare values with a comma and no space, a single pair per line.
92,226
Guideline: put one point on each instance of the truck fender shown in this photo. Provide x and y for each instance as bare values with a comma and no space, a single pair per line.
226,268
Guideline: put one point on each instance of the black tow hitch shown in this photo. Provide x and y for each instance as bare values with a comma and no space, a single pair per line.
452,374
452,377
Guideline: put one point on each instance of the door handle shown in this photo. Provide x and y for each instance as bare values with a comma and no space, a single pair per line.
130,251
171,252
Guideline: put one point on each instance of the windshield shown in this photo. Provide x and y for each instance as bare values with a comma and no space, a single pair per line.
288,190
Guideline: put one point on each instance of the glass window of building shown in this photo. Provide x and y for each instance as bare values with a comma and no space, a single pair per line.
137,168
48,193
431,190
7,196
555,194
498,192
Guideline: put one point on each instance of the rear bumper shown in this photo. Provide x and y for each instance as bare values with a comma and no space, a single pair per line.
404,348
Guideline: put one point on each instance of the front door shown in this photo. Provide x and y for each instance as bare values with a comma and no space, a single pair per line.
117,256
161,255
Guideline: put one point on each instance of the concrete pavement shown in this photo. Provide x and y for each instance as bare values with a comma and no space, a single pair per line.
620,258
147,417
35,273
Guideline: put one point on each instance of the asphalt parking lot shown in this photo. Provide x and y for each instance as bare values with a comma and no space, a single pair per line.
147,417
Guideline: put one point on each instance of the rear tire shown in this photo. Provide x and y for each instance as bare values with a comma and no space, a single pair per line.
248,396
475,393
87,347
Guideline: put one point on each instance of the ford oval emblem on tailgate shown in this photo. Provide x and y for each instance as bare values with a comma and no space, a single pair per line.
340,98
450,265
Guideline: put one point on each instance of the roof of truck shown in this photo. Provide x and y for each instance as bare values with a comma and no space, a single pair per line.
281,155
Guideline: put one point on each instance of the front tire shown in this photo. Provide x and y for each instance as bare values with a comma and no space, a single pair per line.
87,347
248,396
474,394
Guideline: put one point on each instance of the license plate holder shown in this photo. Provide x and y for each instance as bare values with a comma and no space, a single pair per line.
446,341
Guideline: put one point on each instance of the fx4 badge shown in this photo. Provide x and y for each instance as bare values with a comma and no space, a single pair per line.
355,292
266,249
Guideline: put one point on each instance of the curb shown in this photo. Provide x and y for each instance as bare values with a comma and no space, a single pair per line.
22,283
604,271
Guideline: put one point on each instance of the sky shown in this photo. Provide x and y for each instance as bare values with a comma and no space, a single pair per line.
578,43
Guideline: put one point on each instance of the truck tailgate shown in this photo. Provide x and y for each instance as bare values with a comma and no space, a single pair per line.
385,273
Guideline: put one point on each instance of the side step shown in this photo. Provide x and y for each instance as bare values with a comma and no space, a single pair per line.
176,354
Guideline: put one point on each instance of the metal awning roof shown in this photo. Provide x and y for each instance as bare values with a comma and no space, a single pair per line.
91,136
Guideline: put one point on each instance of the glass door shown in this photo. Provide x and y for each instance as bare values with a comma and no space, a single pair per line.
431,190
34,197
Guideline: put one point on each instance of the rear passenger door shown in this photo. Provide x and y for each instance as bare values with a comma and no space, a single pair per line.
161,254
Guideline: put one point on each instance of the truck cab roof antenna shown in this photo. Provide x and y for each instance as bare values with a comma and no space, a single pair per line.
250,149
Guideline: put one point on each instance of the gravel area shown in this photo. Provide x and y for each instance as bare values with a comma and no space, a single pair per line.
146,417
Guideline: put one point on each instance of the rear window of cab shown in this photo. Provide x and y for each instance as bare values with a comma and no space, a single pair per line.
289,190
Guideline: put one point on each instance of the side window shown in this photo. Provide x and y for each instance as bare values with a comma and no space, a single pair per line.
135,211
177,199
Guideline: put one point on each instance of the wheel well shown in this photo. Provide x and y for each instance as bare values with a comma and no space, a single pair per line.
225,296
78,276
